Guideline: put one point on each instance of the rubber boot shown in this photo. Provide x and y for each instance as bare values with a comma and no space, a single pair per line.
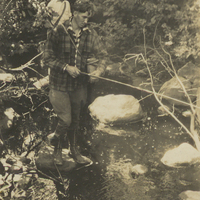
74,153
57,154
60,134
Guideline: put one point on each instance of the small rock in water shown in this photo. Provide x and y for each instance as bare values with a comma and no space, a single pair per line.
183,154
190,195
138,170
173,89
162,110
187,113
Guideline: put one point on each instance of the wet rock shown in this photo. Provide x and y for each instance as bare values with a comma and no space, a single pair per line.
191,73
116,109
187,113
139,169
162,110
45,162
190,195
184,154
173,89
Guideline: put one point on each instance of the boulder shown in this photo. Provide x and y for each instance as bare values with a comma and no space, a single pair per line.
190,195
191,73
113,109
184,154
172,88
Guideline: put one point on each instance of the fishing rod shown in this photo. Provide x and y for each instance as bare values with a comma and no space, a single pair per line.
138,88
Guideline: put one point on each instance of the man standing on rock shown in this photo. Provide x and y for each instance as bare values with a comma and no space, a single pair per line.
67,53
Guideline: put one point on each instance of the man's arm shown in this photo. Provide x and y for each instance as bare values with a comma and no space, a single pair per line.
51,56
101,54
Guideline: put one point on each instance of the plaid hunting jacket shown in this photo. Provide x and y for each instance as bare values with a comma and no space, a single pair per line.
59,51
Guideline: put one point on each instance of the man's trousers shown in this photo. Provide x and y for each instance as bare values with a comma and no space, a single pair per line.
67,106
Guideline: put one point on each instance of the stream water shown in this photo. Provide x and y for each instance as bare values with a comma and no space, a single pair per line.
115,151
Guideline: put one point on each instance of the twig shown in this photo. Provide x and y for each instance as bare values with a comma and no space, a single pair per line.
6,187
6,6
183,87
26,65
36,169
6,89
166,68
154,36
198,104
59,173
145,97
53,179
39,105
3,85
31,149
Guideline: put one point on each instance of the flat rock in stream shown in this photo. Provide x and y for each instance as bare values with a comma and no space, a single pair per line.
44,161
184,154
115,109
190,195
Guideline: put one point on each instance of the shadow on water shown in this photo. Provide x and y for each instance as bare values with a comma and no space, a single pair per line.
114,155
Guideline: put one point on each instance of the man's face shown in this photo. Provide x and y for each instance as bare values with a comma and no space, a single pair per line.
81,18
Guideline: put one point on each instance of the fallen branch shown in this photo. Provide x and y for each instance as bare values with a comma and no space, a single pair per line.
193,133
180,82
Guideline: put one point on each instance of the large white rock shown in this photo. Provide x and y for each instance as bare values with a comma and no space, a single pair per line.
181,155
190,195
116,109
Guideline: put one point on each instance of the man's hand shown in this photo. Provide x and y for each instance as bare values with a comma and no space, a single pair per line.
73,71
95,73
